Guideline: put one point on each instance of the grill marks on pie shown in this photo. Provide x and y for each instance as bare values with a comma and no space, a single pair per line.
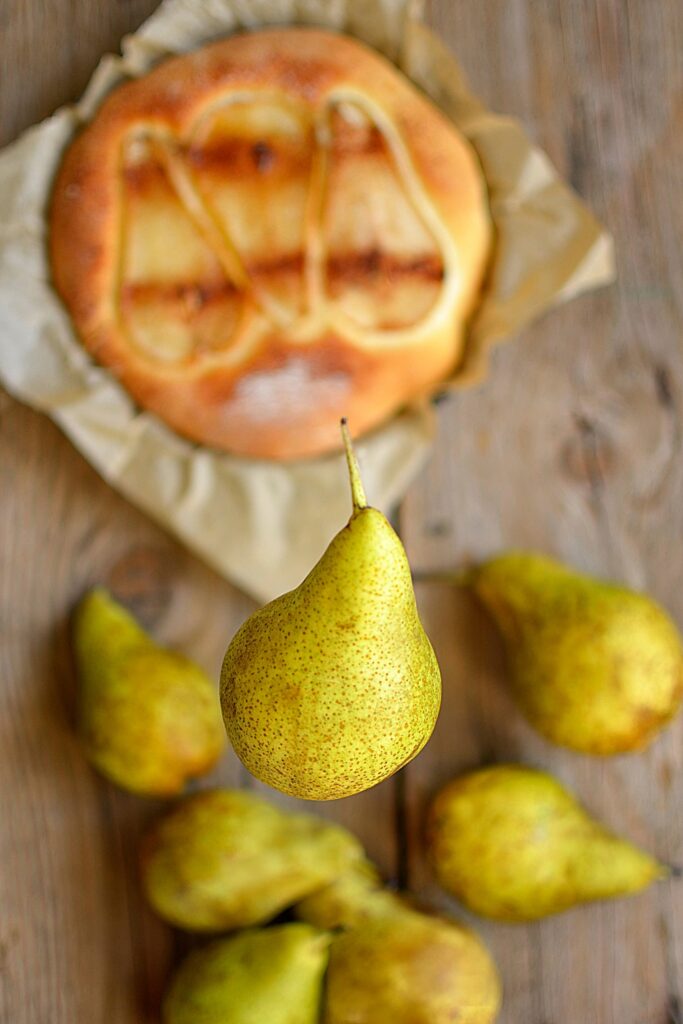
263,216
383,268
174,298
251,162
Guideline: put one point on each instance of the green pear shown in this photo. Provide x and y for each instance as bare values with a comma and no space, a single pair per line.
334,686
511,843
225,859
263,976
593,666
149,718
395,964
347,900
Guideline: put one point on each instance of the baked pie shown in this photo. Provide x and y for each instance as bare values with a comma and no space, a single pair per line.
267,234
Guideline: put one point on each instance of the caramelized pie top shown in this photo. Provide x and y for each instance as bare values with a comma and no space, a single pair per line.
267,234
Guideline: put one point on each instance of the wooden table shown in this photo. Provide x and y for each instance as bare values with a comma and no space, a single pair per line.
573,446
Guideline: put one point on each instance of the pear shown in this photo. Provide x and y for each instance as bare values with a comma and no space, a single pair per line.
395,964
513,844
149,718
347,900
334,686
594,666
224,859
262,976
392,962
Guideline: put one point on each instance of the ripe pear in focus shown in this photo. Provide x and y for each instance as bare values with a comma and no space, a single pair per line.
224,859
262,976
512,843
393,963
594,666
149,718
334,686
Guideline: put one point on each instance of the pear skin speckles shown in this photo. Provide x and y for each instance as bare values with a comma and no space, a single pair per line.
334,686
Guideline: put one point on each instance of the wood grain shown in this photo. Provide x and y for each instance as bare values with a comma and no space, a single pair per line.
573,446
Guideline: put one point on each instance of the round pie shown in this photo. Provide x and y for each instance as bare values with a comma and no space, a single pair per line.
268,234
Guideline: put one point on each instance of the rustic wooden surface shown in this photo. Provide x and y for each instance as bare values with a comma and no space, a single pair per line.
573,446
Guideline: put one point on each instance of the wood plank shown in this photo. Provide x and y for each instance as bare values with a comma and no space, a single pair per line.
572,447
48,50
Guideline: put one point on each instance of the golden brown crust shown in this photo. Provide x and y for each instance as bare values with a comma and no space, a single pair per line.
269,233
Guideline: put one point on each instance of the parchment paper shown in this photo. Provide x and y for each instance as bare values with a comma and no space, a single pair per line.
263,525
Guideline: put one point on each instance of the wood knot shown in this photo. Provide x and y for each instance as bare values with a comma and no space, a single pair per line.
141,580
438,528
674,1010
588,456
663,387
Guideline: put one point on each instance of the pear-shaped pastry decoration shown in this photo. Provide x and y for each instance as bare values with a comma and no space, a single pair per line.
225,859
334,686
263,976
511,843
594,666
268,233
149,718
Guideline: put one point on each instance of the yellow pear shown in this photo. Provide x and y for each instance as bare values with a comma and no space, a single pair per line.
149,718
262,976
594,666
224,859
334,686
396,965
348,899
513,844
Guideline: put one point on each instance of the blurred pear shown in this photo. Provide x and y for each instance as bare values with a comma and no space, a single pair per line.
262,976
399,966
149,718
225,859
594,666
513,844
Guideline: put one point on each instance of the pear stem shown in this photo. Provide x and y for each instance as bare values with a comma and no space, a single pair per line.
357,489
